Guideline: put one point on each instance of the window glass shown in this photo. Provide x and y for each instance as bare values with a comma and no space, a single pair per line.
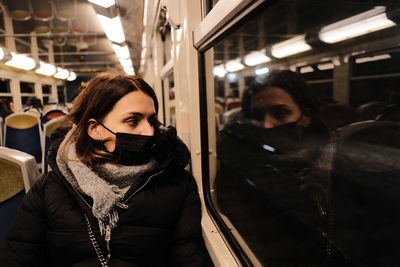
27,87
4,86
46,88
303,107
209,4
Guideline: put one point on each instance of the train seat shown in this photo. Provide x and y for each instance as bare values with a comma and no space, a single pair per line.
48,129
18,171
22,132
52,114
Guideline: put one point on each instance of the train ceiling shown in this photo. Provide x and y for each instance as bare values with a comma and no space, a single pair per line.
73,30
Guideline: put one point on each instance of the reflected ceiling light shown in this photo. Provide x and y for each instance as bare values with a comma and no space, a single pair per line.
363,23
373,58
46,69
61,73
262,71
234,65
290,47
112,28
219,71
72,76
103,3
306,69
21,62
121,51
255,58
325,66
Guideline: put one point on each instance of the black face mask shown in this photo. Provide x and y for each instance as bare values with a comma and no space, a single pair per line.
284,138
132,149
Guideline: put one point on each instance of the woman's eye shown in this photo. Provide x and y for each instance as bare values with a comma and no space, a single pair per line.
280,114
133,121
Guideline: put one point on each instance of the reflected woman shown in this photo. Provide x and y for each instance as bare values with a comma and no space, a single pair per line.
273,171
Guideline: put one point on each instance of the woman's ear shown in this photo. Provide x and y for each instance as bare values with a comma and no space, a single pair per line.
93,129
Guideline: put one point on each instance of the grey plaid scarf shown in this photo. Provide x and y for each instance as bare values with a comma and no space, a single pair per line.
105,183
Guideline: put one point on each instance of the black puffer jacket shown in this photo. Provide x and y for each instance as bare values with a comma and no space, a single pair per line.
161,227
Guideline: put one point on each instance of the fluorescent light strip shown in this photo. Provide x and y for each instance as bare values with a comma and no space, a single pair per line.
234,65
72,76
325,66
61,73
21,62
219,71
290,47
129,70
103,3
46,69
125,63
373,58
121,51
262,71
306,69
2,53
112,28
363,23
256,58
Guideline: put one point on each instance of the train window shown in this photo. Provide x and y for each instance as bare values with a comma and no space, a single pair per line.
303,115
27,87
169,100
209,4
4,86
46,89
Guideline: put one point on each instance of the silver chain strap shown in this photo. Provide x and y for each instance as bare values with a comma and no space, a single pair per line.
96,247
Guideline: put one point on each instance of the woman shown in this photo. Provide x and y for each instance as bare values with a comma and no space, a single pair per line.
117,195
274,171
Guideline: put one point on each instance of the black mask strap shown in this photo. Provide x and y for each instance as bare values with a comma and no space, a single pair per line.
106,128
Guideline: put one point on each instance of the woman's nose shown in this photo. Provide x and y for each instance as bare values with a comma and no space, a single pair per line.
269,121
147,128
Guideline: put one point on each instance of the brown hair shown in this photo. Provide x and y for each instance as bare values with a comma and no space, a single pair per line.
95,101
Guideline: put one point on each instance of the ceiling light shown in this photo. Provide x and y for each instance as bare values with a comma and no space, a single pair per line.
219,71
103,3
290,47
129,71
2,53
234,65
112,28
373,58
61,73
126,63
363,23
306,69
72,76
262,71
255,58
46,69
121,51
325,66
21,62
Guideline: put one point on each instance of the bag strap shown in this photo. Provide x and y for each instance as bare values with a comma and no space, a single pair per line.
103,262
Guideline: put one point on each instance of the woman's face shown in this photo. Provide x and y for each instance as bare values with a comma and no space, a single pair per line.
275,107
134,113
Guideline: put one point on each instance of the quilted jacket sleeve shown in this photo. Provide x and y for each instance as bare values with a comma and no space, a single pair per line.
25,239
189,248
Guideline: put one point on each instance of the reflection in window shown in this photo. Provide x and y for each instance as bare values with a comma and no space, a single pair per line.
306,109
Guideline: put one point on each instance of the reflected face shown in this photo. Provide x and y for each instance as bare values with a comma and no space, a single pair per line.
134,113
275,107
